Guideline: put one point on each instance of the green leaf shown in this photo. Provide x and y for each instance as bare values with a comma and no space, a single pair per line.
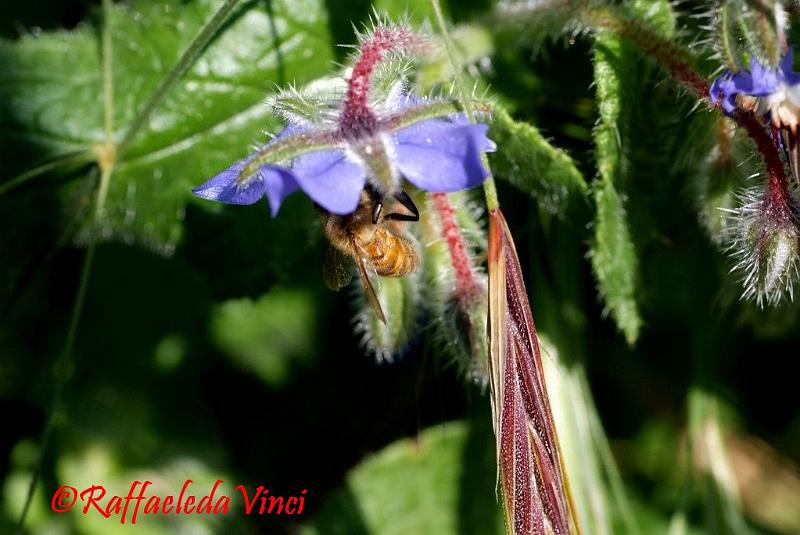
614,260
207,121
618,79
529,162
727,42
613,255
431,484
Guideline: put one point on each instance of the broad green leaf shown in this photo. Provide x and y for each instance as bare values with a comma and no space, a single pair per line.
529,162
441,482
49,97
208,120
618,81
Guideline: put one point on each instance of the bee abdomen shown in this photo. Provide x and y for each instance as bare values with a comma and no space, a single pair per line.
393,256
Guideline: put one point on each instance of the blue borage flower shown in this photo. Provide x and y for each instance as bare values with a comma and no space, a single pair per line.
380,141
725,89
772,93
777,91
766,233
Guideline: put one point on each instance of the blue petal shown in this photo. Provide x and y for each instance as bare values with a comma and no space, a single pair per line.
274,182
765,80
723,90
742,82
440,155
791,77
330,179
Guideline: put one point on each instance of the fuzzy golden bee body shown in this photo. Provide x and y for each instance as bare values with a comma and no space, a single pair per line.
373,241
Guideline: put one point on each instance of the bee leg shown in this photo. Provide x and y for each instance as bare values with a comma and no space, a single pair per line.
376,212
403,198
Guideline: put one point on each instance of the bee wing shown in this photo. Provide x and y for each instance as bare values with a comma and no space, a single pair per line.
372,297
337,268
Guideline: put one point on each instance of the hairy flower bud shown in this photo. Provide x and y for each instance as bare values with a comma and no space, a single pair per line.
765,243
400,301
464,332
457,298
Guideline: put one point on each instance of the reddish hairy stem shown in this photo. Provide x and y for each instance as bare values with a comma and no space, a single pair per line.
466,284
666,53
357,117
677,63
777,183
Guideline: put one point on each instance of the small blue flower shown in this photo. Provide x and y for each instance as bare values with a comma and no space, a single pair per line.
725,89
767,80
381,139
777,90
441,154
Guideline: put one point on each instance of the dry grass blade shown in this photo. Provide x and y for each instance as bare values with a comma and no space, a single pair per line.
533,481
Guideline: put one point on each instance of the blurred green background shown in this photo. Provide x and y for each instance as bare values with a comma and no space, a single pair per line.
209,347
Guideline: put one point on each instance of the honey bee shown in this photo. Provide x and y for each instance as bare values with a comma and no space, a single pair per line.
373,241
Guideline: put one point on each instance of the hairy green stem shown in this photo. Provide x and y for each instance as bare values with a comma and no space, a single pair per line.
107,153
102,193
108,75
724,31
65,363
489,188
672,57
430,110
287,149
62,369
185,62
757,21
81,156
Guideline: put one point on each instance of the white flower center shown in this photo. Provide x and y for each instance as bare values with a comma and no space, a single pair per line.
784,107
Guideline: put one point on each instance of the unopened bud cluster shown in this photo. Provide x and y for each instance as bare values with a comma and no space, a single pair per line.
765,243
